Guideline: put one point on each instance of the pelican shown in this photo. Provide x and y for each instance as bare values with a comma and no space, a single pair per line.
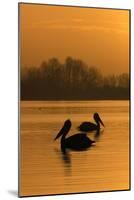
77,142
89,126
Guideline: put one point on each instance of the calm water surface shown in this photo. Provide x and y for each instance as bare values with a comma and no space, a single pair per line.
45,170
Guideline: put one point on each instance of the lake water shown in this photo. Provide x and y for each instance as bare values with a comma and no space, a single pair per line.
43,167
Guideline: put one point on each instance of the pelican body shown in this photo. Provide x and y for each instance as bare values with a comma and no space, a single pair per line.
76,142
89,126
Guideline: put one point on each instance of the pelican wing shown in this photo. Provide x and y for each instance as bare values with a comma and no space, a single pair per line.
87,126
78,141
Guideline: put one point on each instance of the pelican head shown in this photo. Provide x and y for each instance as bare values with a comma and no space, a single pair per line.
97,118
65,129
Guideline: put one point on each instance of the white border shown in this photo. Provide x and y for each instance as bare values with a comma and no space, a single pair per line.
9,98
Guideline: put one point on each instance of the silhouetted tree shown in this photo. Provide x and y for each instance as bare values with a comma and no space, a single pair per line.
71,80
123,80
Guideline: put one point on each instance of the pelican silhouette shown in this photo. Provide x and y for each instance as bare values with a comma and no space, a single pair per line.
77,142
89,126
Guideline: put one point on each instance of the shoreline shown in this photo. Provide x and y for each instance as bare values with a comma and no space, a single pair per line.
74,100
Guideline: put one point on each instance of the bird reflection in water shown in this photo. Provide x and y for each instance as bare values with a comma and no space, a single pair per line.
97,135
66,158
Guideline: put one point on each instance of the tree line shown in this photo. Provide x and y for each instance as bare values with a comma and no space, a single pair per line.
71,80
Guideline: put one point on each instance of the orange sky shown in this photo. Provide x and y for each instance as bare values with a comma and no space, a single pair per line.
100,37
